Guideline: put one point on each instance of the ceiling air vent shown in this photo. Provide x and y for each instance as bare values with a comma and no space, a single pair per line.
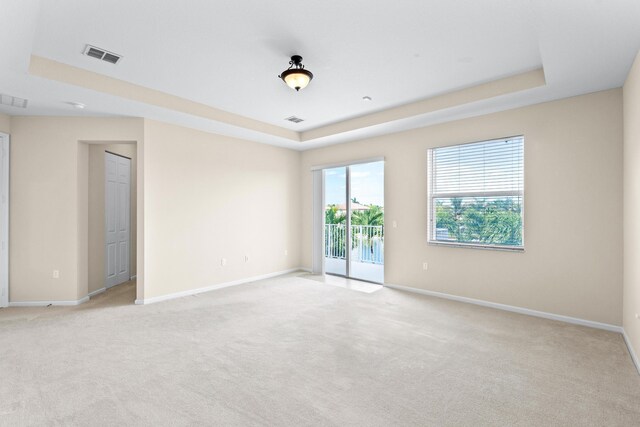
96,52
294,119
13,101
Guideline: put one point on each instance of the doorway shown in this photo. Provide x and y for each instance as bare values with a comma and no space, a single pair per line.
353,223
111,204
117,218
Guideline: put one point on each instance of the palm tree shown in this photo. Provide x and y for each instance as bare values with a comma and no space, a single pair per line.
333,216
335,237
374,216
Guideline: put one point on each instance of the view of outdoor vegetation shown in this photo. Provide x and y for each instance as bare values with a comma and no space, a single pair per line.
480,220
374,215
356,251
476,193
367,232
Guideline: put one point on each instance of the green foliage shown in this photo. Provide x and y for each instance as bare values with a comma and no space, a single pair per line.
335,236
333,216
486,221
372,216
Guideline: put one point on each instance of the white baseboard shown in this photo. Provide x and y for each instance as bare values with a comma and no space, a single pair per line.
46,303
634,357
514,309
96,292
214,287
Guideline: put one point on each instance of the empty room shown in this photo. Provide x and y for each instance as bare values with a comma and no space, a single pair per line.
371,213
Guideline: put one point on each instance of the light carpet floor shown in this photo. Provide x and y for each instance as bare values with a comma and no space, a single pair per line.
291,351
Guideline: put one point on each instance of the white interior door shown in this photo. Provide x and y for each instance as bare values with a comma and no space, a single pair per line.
117,217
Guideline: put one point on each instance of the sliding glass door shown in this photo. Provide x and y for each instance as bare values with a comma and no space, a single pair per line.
335,221
366,260
354,221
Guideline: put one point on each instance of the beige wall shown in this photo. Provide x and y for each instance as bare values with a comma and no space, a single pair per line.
209,197
632,205
572,264
5,123
97,208
49,202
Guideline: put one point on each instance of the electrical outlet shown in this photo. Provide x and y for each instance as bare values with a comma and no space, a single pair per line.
56,274
286,252
637,316
425,266
223,262
394,224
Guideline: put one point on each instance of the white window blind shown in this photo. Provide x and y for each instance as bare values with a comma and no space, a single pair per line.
476,194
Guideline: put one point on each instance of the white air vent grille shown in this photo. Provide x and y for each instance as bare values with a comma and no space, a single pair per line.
294,119
104,55
13,101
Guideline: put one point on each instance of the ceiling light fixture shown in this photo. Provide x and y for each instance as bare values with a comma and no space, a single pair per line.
296,77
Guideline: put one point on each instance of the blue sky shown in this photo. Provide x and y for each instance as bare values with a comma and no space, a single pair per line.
367,184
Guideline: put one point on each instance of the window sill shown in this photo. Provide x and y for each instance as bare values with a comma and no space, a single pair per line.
478,246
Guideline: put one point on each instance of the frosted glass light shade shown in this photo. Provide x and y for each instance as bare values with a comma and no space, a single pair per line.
297,78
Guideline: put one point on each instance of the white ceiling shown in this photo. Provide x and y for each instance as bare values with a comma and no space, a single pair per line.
227,54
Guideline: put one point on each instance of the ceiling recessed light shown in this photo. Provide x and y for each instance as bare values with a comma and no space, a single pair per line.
77,105
366,98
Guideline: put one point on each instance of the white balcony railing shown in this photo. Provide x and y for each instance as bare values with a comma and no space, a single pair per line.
367,242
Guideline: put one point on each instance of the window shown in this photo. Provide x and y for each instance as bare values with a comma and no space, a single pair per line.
476,194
